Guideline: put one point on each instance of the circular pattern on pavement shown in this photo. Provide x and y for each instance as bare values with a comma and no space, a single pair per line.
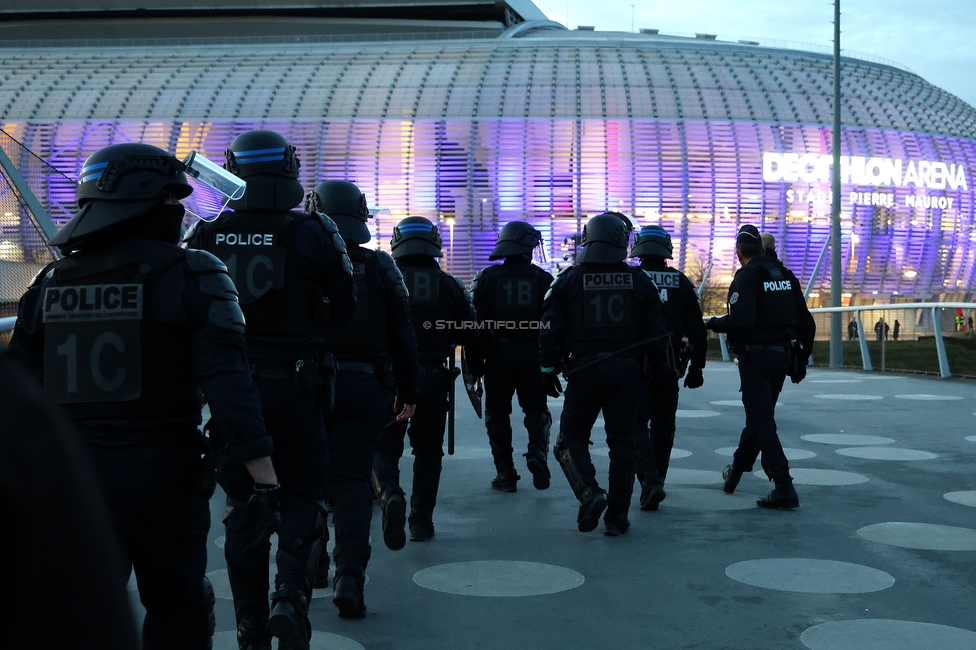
810,576
932,537
971,438
605,452
886,453
923,397
791,453
846,439
812,476
227,640
966,498
679,453
886,634
836,381
470,452
681,476
695,413
727,402
498,578
706,499
850,397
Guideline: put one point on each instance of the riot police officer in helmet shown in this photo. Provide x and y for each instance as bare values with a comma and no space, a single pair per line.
294,278
159,324
434,296
375,387
603,325
659,403
512,292
765,316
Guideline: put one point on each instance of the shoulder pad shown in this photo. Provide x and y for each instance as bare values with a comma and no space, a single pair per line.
476,279
385,261
226,315
218,285
463,289
393,274
327,223
330,227
200,261
559,276
47,271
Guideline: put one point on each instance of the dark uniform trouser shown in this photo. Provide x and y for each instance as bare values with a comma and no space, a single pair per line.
761,375
426,433
658,404
514,370
162,526
362,408
301,460
610,386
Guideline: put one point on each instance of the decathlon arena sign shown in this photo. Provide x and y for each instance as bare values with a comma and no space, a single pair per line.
858,170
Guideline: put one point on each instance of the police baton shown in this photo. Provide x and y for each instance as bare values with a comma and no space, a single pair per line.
451,394
605,356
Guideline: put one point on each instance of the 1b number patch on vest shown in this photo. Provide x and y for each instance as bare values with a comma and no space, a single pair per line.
92,342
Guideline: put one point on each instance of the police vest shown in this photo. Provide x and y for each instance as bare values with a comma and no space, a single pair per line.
516,296
669,286
366,333
603,306
427,307
106,354
258,249
775,302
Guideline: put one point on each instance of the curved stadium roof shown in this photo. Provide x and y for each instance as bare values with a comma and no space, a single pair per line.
533,121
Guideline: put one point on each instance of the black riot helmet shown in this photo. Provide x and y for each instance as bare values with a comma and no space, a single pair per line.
605,239
269,165
120,184
416,236
516,238
345,204
652,241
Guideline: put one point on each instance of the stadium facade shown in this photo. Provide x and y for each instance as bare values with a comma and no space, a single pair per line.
474,113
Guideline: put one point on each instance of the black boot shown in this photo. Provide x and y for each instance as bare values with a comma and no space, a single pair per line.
289,618
536,462
731,476
782,497
394,507
652,488
348,593
615,522
593,502
506,480
253,634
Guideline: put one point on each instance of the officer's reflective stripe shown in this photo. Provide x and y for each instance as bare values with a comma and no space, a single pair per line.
93,302
260,155
87,173
416,227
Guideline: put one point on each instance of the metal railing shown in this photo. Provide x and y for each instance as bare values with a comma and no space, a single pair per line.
935,310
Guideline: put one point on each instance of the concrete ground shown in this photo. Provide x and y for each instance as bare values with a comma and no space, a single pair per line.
880,553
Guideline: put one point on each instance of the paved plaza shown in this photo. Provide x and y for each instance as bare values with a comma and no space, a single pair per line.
880,554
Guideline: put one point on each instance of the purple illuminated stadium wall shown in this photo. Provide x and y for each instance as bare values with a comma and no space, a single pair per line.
700,179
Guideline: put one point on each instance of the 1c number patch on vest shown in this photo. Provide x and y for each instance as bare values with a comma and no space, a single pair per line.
255,266
92,342
607,299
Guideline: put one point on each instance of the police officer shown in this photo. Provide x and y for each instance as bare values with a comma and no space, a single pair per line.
684,317
124,331
512,292
375,386
602,323
766,313
438,302
293,276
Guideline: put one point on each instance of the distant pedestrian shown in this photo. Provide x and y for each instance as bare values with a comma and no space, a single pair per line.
851,330
886,329
879,329
970,323
897,329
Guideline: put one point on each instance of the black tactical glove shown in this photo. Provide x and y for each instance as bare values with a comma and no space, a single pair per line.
550,384
262,514
694,378
710,324
798,364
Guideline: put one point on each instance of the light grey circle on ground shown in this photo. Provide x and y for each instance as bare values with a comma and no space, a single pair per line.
691,498
836,381
923,397
966,498
227,640
727,402
679,453
971,438
846,439
498,578
812,476
791,453
850,397
810,576
886,453
932,537
695,413
466,452
682,476
886,634
605,452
